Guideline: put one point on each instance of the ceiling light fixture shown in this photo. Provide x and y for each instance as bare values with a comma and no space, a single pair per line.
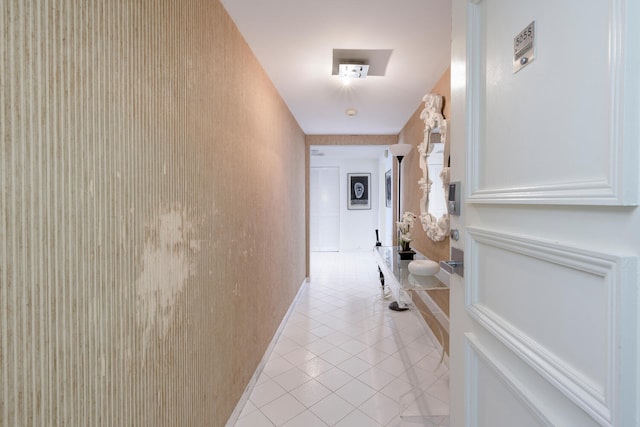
351,112
353,71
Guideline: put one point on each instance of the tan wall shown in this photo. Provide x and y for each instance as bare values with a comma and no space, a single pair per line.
413,133
151,213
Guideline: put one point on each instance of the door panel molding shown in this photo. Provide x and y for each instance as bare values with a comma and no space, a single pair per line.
606,290
613,181
477,354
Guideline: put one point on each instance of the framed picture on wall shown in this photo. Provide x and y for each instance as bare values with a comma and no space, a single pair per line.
359,191
387,188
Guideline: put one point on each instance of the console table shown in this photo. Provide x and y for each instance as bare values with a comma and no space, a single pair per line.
395,274
415,404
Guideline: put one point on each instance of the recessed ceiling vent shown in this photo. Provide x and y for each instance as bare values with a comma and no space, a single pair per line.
353,70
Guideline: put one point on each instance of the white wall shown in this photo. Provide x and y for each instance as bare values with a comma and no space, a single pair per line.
386,218
357,227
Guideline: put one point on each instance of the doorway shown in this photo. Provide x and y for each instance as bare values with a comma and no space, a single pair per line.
324,209
334,223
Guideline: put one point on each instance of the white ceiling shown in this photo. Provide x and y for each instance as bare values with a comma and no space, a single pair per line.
294,42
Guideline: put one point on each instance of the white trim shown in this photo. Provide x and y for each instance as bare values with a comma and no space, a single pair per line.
235,415
470,384
473,352
619,276
620,187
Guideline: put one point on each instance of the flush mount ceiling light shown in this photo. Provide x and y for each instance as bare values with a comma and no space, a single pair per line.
353,71
376,60
351,112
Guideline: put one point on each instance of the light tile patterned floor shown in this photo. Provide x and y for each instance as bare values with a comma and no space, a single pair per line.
345,359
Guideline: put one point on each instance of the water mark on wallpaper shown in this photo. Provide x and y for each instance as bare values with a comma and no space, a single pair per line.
168,261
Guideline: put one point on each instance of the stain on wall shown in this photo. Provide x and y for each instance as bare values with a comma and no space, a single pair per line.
168,258
152,205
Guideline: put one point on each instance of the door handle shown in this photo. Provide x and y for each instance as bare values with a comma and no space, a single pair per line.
455,265
452,267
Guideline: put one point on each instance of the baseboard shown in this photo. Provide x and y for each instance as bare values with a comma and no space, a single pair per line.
235,415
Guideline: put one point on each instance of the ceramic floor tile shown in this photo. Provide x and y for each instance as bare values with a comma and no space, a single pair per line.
353,347
284,346
354,366
356,392
315,367
389,345
373,356
417,403
249,407
432,363
254,419
440,388
358,330
291,379
379,331
299,356
310,393
381,408
335,356
396,389
376,378
334,378
263,378
266,392
357,418
337,338
342,351
282,409
424,342
302,337
305,419
319,346
307,323
276,365
322,331
413,355
392,365
332,409
421,378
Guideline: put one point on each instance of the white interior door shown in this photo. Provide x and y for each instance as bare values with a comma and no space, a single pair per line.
324,209
544,324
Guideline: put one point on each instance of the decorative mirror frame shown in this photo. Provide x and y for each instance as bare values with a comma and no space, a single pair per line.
436,228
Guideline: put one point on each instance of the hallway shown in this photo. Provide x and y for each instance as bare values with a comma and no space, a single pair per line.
344,359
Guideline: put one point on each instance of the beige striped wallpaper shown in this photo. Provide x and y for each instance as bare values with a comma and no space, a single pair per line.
152,202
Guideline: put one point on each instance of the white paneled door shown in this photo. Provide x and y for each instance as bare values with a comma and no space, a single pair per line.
545,136
324,209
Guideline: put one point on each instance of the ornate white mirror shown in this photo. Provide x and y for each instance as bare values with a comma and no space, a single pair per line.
435,170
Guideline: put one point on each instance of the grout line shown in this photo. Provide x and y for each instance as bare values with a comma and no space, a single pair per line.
337,281
235,415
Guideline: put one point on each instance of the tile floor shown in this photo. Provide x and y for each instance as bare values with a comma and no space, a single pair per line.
344,359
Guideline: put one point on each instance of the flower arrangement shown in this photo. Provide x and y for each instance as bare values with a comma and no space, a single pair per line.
404,228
